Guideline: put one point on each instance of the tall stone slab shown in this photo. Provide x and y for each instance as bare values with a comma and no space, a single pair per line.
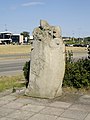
47,65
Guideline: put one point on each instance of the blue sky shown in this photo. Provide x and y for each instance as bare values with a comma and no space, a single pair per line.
73,16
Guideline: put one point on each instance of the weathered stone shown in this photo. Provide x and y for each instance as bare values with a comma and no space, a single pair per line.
47,62
44,24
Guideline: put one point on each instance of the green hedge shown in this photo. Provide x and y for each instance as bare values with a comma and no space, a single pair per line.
77,74
26,71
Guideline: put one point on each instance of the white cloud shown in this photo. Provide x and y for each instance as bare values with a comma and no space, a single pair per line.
32,3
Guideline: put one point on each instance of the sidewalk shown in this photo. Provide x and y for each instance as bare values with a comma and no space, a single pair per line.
15,106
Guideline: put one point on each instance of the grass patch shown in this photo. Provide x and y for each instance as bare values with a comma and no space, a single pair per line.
17,49
14,49
77,49
7,82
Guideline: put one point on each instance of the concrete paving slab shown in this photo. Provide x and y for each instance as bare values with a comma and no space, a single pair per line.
42,117
20,115
3,102
33,101
6,92
81,107
23,100
85,99
33,108
88,117
8,98
13,105
75,114
52,111
5,111
4,118
60,118
59,104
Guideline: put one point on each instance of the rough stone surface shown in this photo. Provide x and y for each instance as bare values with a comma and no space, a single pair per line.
47,62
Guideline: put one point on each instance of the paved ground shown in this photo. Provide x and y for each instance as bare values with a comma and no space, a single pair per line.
15,106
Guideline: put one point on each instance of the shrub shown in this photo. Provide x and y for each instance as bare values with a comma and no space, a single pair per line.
77,74
26,70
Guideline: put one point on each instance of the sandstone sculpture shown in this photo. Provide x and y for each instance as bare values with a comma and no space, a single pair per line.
47,65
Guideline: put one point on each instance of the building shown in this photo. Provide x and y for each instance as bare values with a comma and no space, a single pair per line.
31,39
66,38
5,37
17,38
8,37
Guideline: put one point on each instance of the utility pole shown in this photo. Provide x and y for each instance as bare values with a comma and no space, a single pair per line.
6,27
73,37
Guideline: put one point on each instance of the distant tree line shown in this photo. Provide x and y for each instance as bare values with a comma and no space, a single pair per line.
26,35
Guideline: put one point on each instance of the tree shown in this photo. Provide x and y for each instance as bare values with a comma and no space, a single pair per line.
87,40
25,35
88,53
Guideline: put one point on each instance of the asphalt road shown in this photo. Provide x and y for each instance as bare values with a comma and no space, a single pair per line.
12,66
13,56
79,55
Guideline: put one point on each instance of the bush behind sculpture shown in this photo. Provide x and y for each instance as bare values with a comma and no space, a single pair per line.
26,70
77,74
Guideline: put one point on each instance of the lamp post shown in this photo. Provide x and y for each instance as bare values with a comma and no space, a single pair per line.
73,37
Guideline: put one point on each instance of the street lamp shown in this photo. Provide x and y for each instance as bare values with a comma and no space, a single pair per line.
73,37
